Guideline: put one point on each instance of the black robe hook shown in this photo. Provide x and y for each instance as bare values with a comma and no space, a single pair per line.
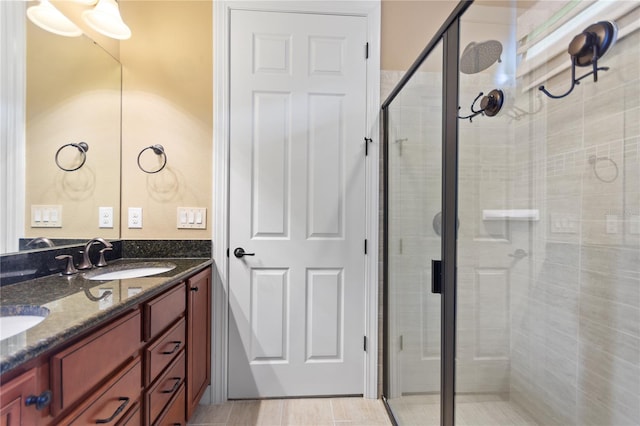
490,105
585,50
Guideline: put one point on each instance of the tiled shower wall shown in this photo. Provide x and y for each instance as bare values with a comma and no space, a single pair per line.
575,327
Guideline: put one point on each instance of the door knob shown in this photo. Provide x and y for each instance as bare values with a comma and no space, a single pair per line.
239,253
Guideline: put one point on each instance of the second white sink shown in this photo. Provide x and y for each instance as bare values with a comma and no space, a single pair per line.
16,319
135,270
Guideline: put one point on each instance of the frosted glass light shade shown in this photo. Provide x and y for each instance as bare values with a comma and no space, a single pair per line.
105,18
47,17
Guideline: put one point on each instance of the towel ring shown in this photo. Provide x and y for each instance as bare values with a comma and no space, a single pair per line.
83,147
158,150
593,160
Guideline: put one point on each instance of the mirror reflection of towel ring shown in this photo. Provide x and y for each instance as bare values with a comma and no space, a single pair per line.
83,147
593,160
158,150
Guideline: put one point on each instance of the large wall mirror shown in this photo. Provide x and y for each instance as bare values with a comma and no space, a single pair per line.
72,115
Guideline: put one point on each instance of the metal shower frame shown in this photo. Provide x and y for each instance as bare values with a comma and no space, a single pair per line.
449,33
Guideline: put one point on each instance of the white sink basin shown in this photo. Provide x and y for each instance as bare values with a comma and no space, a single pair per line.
136,270
16,319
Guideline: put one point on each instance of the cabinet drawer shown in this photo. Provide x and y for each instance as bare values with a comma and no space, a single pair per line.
165,388
174,414
133,417
113,400
164,310
79,368
159,354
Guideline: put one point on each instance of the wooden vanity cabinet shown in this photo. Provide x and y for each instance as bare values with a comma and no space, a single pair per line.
165,354
198,338
81,367
148,366
15,394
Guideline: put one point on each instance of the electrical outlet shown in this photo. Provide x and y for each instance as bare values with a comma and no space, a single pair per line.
105,217
135,217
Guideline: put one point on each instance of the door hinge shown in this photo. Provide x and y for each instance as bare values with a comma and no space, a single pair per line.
365,343
227,252
365,246
367,141
366,51
401,342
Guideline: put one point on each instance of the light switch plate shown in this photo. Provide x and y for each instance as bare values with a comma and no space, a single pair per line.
46,216
105,217
135,217
192,218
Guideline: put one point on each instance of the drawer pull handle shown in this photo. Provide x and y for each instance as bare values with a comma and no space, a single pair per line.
39,401
125,402
174,350
175,385
194,288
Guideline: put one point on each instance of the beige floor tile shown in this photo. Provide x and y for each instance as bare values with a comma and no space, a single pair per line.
211,414
359,410
266,412
306,412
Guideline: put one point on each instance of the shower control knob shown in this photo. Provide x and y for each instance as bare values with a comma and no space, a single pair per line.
240,253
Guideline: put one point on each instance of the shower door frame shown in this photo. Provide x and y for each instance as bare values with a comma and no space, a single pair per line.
449,33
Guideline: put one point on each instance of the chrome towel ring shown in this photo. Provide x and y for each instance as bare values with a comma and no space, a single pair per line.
158,150
83,147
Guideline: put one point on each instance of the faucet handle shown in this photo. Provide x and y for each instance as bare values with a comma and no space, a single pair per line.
69,268
85,263
102,261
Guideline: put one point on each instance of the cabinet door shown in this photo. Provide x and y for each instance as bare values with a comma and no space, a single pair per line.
13,397
199,338
10,413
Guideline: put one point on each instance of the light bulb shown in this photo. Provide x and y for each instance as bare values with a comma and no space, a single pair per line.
105,18
47,17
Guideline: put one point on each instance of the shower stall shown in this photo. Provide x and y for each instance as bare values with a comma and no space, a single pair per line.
512,219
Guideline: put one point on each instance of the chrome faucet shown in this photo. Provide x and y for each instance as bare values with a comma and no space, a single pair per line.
40,240
86,261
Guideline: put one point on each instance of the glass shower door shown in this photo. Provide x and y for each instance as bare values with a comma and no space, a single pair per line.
414,200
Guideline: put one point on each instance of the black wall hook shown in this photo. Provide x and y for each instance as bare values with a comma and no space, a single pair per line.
490,104
585,50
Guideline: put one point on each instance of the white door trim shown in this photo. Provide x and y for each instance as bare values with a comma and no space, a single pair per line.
220,304
13,44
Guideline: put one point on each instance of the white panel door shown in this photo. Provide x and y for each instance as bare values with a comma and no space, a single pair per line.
297,204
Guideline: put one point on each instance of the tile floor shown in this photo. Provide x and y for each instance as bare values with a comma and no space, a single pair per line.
471,410
299,412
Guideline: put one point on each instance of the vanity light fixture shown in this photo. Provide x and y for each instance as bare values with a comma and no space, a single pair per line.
105,18
47,17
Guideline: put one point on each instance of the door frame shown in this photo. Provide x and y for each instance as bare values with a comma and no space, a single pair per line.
371,10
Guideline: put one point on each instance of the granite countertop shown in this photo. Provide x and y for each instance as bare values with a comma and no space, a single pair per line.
76,303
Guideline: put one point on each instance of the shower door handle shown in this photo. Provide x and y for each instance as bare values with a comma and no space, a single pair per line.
436,276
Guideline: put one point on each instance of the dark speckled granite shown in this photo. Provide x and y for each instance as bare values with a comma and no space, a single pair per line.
26,265
77,304
166,248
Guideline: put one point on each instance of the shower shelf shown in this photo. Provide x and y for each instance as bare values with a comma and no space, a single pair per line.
513,214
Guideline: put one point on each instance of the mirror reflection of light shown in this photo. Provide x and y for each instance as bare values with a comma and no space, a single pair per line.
47,17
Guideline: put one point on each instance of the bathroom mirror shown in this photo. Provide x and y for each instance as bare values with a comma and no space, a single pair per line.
73,95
